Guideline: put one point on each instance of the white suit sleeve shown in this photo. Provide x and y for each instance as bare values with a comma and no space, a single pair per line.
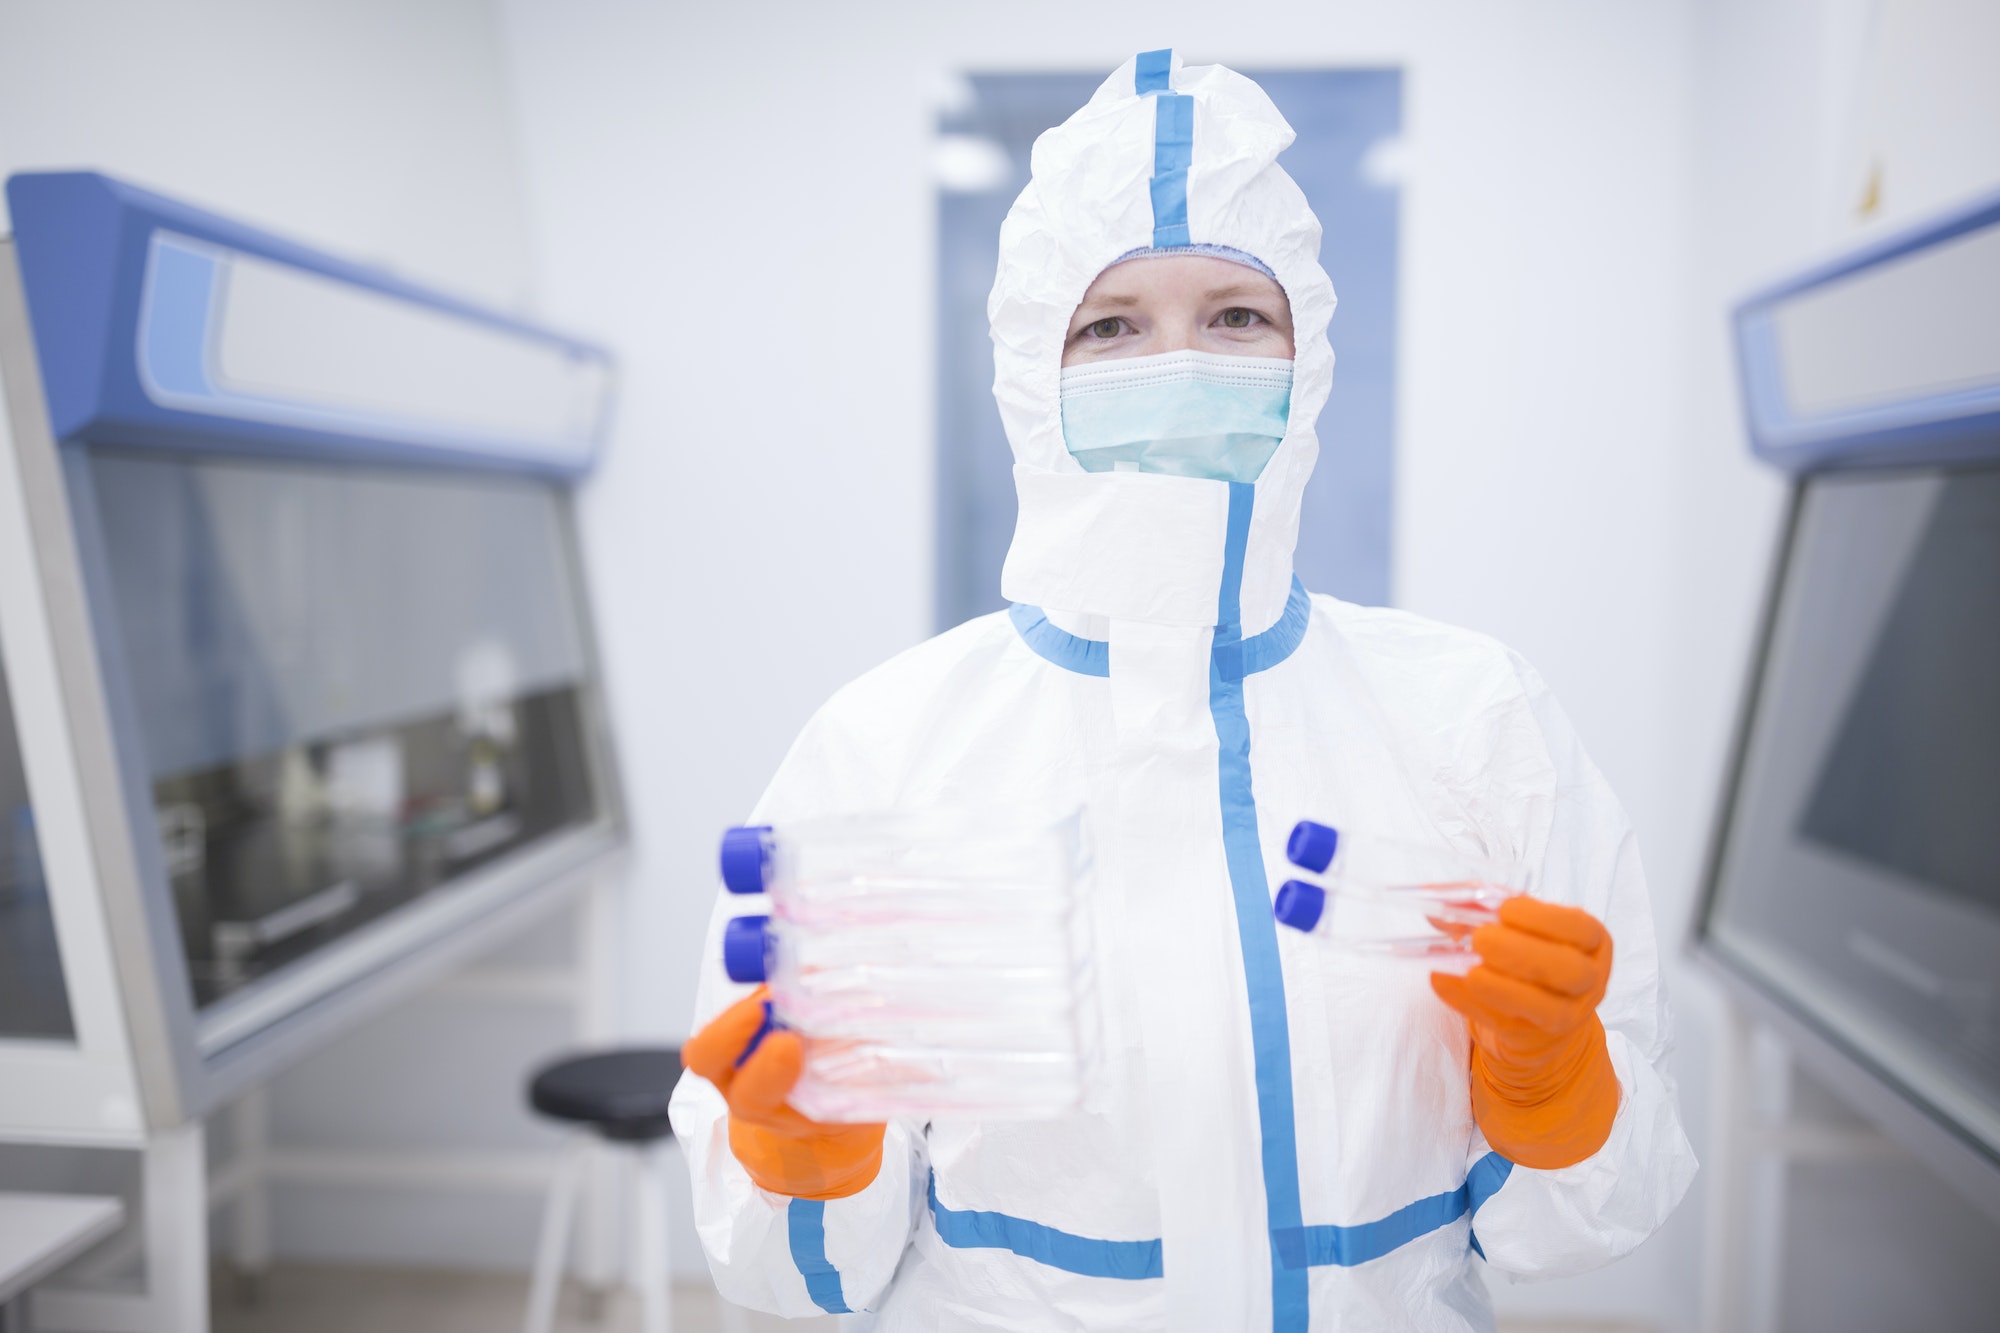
791,1257
1553,1223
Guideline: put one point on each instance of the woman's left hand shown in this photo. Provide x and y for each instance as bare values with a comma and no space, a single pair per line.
1543,1089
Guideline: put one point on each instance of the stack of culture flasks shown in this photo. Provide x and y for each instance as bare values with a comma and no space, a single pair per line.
937,962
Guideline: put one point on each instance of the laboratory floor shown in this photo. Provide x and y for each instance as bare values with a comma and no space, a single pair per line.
315,1298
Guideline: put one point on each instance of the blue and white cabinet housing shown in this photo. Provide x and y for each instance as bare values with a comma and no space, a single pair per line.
299,702
1852,900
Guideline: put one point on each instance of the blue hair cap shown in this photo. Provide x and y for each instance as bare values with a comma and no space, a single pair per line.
1205,251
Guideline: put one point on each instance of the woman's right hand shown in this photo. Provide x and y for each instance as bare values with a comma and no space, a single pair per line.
754,1064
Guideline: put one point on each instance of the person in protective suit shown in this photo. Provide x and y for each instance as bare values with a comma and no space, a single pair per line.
1281,1140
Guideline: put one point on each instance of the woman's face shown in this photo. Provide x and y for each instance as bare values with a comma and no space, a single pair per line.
1178,303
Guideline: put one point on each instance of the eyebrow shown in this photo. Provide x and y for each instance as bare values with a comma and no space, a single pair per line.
1108,299
1235,290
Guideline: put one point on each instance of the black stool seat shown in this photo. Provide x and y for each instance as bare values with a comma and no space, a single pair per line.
620,1094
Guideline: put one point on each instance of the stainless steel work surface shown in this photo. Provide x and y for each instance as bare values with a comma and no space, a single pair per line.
39,1233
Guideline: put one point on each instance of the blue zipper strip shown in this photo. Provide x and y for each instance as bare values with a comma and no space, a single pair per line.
1256,930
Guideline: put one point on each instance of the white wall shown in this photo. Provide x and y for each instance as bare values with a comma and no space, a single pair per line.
380,130
375,128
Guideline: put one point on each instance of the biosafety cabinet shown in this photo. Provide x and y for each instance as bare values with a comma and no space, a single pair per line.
1851,903
299,702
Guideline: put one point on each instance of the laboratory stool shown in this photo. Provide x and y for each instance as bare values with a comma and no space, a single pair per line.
621,1096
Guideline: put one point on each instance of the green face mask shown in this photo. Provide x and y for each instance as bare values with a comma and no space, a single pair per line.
1185,414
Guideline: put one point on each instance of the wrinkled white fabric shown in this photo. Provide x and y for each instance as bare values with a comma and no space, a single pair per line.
1282,1132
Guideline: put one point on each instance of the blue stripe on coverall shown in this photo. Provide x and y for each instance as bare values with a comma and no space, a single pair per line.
1256,929
805,1220
1318,1246
1173,146
1092,657
1323,1245
1488,1174
1052,643
968,1229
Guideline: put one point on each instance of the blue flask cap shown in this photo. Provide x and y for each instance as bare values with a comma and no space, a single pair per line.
1311,846
1299,904
745,943
746,858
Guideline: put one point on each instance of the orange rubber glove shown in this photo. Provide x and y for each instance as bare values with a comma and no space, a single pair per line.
1543,1089
755,1065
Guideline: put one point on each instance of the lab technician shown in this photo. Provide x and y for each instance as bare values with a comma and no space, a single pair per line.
1282,1140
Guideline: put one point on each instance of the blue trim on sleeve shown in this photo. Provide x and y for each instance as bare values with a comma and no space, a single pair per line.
1270,1027
1071,652
966,1229
1173,150
1322,1246
1153,71
1488,1174
805,1220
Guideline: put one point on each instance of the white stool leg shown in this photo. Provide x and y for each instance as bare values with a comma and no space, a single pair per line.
553,1251
601,1213
601,1209
655,1266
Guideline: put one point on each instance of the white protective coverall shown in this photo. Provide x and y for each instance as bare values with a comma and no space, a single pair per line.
1284,1137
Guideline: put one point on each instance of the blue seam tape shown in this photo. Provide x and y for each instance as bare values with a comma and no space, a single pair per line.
1261,652
1092,657
1173,150
1071,652
805,1221
967,1229
1488,1174
1270,1028
1153,71
1344,1247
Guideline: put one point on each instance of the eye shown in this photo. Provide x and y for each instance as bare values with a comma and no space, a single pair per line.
1236,317
1107,328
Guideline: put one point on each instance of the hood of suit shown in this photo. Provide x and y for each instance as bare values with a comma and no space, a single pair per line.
1163,155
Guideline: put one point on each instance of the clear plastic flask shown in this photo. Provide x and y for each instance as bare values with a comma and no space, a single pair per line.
1392,898
936,962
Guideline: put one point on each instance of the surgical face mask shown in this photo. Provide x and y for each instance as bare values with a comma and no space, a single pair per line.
1185,414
